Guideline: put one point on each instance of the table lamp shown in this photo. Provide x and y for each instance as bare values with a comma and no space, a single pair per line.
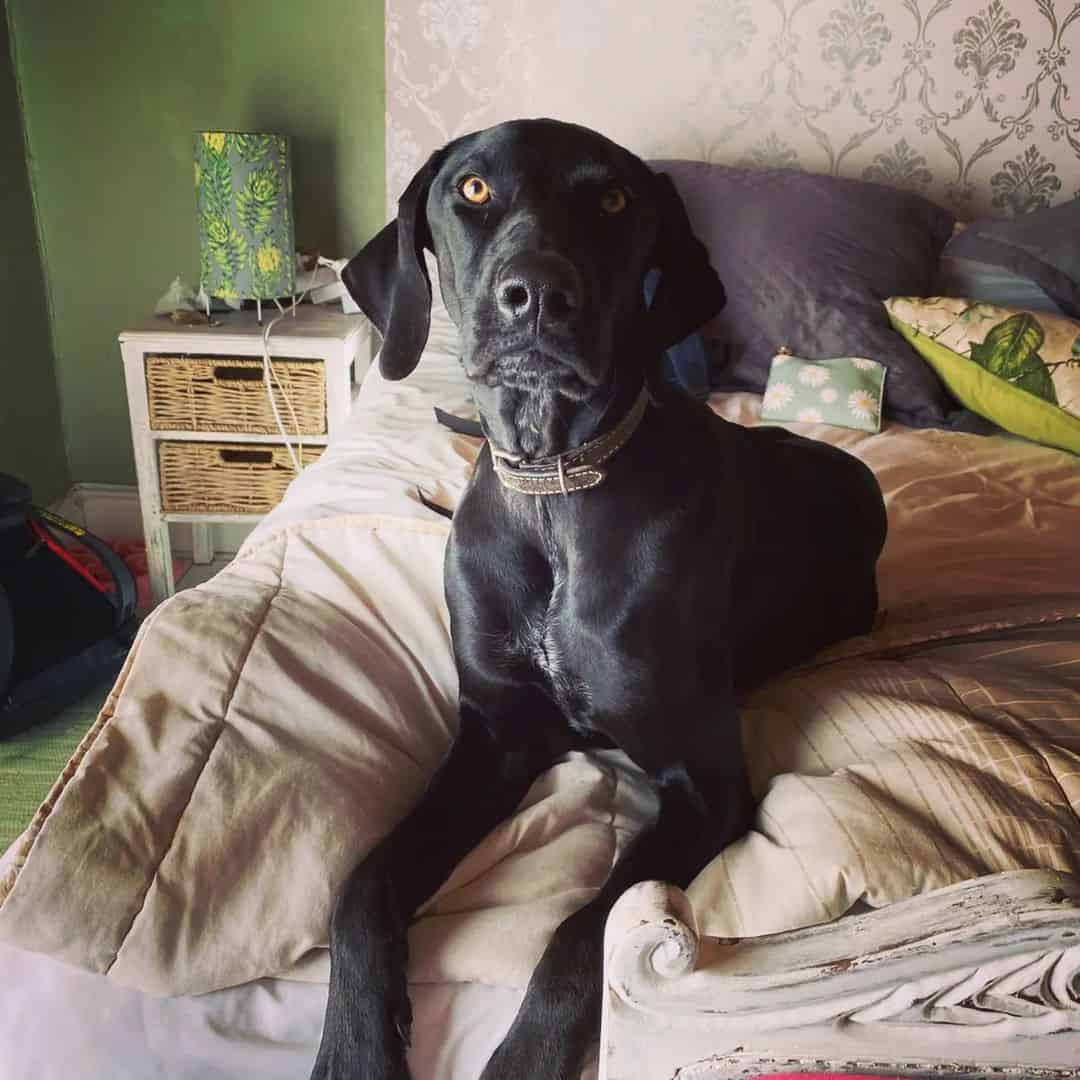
243,182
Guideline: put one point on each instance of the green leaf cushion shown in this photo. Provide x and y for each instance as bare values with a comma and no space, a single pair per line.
1020,369
845,391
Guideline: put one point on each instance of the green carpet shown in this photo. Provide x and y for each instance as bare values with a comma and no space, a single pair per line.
32,760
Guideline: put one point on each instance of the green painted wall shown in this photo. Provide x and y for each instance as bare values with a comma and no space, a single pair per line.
31,436
112,94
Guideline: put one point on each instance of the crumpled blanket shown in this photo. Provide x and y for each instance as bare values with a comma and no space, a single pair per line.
271,724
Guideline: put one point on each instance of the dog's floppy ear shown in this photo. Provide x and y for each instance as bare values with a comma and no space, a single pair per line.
689,292
389,279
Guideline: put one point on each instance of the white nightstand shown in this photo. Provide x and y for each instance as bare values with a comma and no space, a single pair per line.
206,446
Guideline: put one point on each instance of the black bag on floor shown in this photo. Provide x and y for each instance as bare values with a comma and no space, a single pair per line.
62,631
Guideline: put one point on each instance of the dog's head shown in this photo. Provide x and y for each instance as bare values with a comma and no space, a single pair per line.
543,233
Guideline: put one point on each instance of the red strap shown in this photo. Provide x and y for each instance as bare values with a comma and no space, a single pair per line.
61,552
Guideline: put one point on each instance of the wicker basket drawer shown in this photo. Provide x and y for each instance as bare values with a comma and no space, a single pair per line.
225,478
227,393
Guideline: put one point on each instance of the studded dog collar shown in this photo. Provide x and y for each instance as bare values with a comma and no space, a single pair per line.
574,470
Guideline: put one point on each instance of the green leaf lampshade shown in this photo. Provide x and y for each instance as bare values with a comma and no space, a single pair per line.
243,181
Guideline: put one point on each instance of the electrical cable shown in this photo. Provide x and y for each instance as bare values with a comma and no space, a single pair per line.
270,372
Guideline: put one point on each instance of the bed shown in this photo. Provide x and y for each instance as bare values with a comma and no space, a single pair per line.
134,819
906,903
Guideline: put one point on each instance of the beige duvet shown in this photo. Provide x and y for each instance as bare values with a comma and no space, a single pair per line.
270,725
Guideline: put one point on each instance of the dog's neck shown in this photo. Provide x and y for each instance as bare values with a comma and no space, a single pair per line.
543,423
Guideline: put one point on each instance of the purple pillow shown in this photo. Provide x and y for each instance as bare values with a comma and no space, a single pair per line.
807,261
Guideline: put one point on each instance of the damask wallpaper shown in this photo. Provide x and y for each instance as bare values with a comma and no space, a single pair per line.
965,101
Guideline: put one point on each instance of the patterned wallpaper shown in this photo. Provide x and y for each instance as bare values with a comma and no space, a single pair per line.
967,102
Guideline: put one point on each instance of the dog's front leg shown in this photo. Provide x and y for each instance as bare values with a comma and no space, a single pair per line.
559,1019
366,1030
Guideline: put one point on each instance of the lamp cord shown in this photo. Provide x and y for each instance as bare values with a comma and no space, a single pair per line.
270,372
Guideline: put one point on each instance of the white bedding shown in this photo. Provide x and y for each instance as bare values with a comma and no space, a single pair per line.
57,1021
981,538
60,1023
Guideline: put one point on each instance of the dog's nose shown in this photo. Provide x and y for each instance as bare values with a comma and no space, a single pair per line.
538,287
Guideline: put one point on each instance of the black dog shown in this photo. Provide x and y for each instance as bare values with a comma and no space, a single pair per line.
623,566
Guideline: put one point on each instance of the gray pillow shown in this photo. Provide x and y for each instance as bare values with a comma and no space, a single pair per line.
991,285
1043,246
807,261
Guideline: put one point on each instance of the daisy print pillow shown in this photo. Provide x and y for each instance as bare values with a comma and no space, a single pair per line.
846,391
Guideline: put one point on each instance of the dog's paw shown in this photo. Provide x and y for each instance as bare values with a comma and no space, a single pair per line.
368,1015
365,1037
559,1020
346,1060
518,1060
333,1066
514,1060
538,1051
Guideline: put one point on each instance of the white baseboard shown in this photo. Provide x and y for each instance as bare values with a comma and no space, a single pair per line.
112,512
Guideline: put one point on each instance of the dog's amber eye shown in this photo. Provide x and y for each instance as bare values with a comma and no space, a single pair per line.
475,189
613,201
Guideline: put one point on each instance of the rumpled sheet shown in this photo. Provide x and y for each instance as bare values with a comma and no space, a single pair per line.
273,723
882,778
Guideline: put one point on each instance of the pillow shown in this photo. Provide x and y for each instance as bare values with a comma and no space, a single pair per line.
845,392
1043,246
991,285
1020,369
806,261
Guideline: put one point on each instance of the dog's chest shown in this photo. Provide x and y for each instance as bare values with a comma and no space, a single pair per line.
542,641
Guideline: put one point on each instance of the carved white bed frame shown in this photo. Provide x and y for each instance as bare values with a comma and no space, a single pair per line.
980,979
